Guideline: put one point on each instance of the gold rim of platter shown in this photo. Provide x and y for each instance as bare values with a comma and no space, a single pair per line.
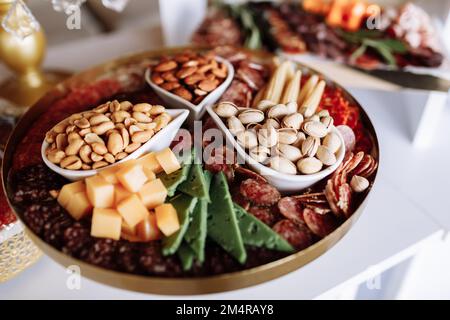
178,286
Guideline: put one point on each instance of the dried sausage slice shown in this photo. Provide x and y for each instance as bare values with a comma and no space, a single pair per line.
291,208
259,193
349,137
298,236
320,224
264,214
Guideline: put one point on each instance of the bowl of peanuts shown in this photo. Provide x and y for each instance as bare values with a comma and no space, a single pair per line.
80,145
190,81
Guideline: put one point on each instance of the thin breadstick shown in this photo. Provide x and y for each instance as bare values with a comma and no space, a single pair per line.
276,84
311,103
292,90
259,96
307,89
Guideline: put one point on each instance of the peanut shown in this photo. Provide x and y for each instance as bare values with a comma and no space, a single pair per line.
142,136
103,127
74,147
99,164
115,143
99,148
71,163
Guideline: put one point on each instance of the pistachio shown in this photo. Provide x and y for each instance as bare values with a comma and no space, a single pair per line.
359,184
267,136
328,122
226,109
323,113
315,128
300,138
287,135
282,165
259,153
278,111
309,165
253,126
263,105
247,139
272,122
235,125
293,120
289,152
310,146
292,107
314,117
326,156
251,116
332,142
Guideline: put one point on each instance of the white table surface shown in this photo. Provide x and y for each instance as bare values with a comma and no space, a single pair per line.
403,213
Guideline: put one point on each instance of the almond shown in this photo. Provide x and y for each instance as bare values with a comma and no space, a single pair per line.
165,66
207,85
183,93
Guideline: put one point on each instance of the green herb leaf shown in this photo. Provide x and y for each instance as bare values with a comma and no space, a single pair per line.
358,52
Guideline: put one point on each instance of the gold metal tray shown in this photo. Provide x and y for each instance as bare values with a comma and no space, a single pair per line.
176,286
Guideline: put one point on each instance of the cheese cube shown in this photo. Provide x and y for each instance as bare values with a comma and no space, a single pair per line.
149,174
68,191
127,229
109,174
149,161
167,160
132,176
79,205
132,210
167,219
153,193
120,193
147,229
106,223
100,192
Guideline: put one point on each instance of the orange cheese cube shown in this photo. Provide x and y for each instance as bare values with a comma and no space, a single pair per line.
149,161
153,193
167,160
132,176
132,210
127,229
100,192
120,193
109,174
79,205
167,219
106,223
68,191
147,229
150,174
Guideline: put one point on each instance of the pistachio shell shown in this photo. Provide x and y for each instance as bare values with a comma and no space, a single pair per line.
292,107
260,153
289,152
251,115
310,146
315,128
293,120
267,136
226,109
282,165
309,165
278,111
332,142
234,125
247,139
326,156
263,105
287,135
272,122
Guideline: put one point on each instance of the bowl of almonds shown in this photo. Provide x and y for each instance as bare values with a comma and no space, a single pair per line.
190,80
86,142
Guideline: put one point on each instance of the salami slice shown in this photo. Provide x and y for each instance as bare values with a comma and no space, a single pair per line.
291,209
298,236
320,224
239,93
349,137
242,174
264,214
259,193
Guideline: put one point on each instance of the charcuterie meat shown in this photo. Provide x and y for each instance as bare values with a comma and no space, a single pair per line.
320,224
349,137
259,193
291,209
265,214
298,236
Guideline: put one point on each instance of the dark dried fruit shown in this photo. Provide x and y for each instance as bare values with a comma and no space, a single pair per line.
128,256
55,228
153,262
76,238
102,253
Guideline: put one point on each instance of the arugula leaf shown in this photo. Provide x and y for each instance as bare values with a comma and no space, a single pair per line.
358,52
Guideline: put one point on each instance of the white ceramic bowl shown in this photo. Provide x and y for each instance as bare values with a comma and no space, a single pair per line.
196,111
160,140
285,183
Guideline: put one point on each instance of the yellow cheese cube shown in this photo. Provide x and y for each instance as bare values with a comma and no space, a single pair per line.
79,205
106,223
167,160
150,174
127,229
132,176
167,219
100,192
109,174
147,229
120,193
153,193
68,191
132,210
149,161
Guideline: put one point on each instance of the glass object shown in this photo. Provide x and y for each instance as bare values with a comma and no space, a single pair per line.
19,21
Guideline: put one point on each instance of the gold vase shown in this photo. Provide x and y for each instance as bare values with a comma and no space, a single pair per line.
24,58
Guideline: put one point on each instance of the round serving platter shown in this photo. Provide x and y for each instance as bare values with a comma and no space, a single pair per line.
165,285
